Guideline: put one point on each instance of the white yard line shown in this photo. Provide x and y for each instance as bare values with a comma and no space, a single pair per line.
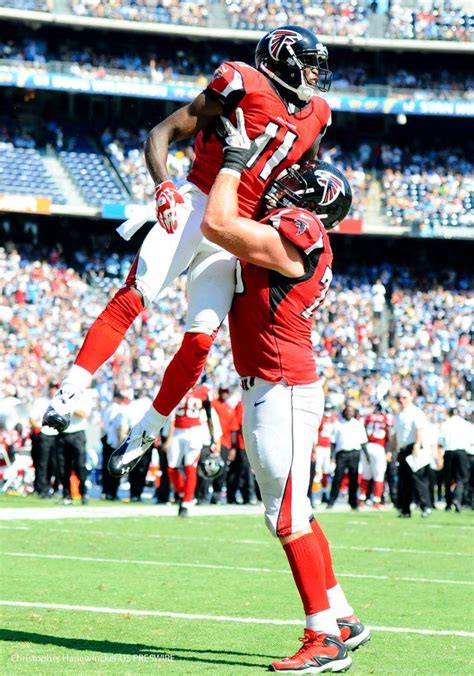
217,618
211,566
56,512
259,543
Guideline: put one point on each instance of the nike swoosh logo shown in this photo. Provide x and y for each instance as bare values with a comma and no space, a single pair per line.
257,403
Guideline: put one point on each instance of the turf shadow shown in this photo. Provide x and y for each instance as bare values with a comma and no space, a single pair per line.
113,647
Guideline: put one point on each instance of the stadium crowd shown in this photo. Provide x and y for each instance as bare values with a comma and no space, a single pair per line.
439,181
431,20
142,62
382,329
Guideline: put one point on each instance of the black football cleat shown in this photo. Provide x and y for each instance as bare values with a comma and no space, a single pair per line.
58,413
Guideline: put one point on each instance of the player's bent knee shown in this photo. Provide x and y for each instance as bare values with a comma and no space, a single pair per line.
197,344
123,309
206,326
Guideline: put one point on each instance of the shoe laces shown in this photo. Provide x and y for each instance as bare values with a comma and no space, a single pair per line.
306,640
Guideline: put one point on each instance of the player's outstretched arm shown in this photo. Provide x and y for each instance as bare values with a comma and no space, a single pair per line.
257,243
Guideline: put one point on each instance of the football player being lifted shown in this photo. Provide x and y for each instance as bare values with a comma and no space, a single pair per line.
287,117
284,273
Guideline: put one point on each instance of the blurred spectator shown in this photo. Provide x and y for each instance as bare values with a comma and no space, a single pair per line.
135,410
45,449
115,427
73,448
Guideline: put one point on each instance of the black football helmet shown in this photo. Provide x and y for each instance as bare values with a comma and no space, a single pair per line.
316,186
210,466
282,55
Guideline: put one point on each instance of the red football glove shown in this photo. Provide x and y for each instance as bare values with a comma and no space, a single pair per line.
166,199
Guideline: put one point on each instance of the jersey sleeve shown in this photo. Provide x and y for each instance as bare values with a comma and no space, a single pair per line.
227,86
301,228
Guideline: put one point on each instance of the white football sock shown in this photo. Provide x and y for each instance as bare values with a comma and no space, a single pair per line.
323,622
78,378
338,602
153,421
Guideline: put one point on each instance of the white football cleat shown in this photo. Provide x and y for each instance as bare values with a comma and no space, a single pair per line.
128,454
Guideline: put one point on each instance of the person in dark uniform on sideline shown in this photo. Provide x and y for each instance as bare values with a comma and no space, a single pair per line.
350,438
413,477
73,444
44,446
116,428
456,438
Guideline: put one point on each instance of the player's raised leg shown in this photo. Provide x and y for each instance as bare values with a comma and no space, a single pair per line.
150,274
211,284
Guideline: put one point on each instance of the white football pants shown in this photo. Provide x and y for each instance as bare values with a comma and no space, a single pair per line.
211,270
279,426
375,467
185,447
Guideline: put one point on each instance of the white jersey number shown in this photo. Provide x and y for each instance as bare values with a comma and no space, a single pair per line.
325,282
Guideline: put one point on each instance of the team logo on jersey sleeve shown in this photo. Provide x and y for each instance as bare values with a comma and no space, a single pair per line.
301,226
332,186
282,38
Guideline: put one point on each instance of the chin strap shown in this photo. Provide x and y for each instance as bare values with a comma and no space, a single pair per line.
304,92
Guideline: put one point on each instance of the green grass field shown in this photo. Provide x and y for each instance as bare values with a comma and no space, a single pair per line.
400,575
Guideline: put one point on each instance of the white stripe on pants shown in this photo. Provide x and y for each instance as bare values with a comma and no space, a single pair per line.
279,426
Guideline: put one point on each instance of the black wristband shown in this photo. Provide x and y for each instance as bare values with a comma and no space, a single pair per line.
235,159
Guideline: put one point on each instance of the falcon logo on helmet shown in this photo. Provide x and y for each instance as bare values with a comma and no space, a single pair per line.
318,187
332,186
281,38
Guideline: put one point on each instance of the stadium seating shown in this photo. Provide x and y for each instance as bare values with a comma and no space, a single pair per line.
93,177
337,17
35,5
22,172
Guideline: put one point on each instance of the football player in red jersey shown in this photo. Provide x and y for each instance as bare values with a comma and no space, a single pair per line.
378,426
185,442
284,272
287,117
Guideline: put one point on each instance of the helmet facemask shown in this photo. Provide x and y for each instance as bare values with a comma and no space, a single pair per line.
288,69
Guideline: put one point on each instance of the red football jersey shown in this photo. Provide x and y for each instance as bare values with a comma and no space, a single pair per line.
283,132
227,420
188,413
326,430
377,426
271,315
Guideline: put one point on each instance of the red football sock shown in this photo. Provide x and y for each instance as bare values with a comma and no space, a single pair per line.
307,565
378,490
183,371
176,479
326,552
108,330
190,482
345,483
364,488
324,481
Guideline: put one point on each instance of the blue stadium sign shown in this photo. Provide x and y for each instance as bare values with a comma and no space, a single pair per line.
183,91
